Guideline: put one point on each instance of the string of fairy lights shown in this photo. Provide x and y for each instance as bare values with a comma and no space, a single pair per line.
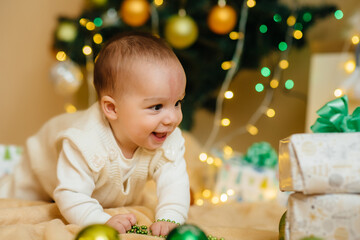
294,31
274,77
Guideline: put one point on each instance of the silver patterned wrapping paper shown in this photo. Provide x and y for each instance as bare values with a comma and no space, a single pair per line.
327,216
320,163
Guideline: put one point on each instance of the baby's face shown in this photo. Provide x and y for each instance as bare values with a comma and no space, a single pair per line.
150,107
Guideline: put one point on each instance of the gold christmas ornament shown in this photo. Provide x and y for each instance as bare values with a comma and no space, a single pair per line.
222,19
98,232
66,77
181,31
135,12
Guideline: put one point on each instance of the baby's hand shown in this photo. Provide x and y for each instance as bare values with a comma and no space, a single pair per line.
162,228
122,222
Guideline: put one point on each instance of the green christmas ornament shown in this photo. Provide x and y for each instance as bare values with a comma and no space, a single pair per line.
187,232
282,226
98,231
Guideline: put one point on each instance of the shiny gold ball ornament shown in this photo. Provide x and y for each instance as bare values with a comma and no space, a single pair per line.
222,19
66,77
135,13
181,31
97,232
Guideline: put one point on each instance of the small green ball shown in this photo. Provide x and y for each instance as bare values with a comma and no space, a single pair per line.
98,231
187,232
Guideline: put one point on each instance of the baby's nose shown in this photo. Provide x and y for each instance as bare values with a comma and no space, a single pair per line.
171,118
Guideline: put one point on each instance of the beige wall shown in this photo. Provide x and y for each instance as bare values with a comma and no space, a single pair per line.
27,98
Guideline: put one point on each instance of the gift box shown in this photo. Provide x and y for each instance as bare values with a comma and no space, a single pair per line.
320,163
10,155
250,177
325,216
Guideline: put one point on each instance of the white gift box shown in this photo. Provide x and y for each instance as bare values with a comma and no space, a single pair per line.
326,216
246,182
320,163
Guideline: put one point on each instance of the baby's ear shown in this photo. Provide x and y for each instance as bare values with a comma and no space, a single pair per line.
108,107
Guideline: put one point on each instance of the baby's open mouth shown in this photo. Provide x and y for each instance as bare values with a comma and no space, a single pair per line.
160,135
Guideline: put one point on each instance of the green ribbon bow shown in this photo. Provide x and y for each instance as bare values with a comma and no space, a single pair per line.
334,117
261,154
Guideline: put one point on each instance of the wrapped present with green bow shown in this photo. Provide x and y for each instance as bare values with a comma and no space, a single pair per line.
249,177
328,160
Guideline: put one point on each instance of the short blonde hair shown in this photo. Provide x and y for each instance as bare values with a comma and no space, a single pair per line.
116,56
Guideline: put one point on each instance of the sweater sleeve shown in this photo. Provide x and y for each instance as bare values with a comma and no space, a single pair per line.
173,188
75,187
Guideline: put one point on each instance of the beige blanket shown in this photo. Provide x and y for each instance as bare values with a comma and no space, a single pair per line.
28,220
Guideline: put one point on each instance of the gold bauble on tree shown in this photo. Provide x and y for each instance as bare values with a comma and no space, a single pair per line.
135,12
222,19
181,31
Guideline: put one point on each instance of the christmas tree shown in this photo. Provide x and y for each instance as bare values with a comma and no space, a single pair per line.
205,35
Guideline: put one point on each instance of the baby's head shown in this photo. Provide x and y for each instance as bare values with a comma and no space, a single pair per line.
140,83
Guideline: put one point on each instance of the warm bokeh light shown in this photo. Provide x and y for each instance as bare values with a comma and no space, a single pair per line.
298,34
283,64
230,192
251,3
210,160
61,56
223,197
225,122
291,21
158,2
83,21
97,38
87,50
252,129
228,151
69,108
338,92
206,193
199,202
217,162
90,26
203,157
226,65
355,39
234,35
228,94
215,199
350,66
270,113
274,83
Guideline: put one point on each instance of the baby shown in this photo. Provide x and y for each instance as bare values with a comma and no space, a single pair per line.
103,156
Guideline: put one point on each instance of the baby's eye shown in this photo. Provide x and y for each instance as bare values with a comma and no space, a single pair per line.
178,103
157,107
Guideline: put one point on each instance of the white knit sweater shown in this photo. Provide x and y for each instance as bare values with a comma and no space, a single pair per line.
79,164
